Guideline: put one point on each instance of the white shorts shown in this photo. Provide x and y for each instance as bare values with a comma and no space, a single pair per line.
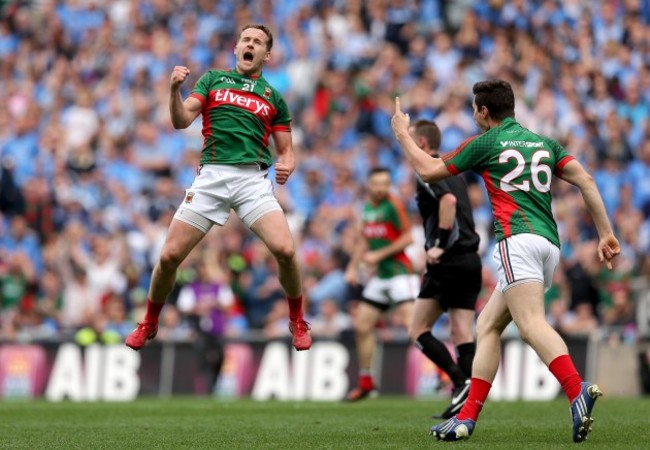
219,187
523,258
399,288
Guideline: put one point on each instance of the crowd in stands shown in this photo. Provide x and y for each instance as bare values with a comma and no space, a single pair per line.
92,169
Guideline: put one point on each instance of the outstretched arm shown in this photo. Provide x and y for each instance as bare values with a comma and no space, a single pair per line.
286,158
430,169
608,247
182,112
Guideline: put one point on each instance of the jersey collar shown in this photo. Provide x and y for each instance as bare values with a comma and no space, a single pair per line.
249,76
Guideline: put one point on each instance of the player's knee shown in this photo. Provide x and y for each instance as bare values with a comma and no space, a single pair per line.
460,334
524,334
363,326
284,254
170,260
484,327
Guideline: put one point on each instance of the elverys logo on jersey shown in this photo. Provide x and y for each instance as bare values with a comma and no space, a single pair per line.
375,230
249,102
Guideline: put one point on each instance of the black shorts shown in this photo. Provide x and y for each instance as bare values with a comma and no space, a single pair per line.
455,283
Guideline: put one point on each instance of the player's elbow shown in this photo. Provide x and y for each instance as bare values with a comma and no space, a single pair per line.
433,171
585,181
182,119
588,179
428,175
180,124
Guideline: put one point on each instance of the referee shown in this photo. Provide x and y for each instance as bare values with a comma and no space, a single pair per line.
452,280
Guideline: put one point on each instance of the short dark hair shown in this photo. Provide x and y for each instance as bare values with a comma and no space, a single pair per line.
496,96
265,29
376,170
429,131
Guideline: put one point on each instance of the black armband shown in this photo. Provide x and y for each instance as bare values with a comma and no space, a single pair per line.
442,238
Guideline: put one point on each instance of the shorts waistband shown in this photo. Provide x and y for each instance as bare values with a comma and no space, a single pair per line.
256,166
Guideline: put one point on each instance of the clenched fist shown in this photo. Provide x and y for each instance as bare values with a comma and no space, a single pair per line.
179,74
282,172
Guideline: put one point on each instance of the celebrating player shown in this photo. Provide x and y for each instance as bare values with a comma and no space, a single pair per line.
240,112
452,281
386,233
517,166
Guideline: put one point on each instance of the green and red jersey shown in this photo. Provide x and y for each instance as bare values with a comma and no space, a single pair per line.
383,223
517,166
239,115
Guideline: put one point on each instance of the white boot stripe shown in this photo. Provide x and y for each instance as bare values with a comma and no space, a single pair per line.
580,407
448,426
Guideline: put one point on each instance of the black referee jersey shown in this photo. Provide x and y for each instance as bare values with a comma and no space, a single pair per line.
464,237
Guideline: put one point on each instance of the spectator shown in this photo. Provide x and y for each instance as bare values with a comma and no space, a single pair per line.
11,197
20,238
277,321
330,321
205,301
17,279
620,312
173,328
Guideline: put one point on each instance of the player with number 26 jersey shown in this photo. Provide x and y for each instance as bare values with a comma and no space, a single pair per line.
517,166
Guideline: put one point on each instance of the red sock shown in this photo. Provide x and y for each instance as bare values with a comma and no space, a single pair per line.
478,392
295,308
366,382
563,369
153,311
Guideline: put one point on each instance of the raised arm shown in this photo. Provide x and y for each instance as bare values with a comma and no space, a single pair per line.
286,162
430,169
608,247
182,112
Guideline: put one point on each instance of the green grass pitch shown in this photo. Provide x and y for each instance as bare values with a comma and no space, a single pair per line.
395,423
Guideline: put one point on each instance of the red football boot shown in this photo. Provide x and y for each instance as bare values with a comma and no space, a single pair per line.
143,333
301,336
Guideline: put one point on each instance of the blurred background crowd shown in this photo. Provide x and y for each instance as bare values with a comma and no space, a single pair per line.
92,170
